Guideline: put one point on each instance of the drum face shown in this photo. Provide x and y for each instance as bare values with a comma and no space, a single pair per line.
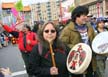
100,43
79,58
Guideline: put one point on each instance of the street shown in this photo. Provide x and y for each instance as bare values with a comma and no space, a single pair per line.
10,57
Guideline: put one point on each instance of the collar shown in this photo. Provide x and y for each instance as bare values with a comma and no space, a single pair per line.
82,27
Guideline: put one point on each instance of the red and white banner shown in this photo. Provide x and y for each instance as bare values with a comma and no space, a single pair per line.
65,9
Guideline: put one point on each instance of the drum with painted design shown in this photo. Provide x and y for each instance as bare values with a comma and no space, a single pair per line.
79,58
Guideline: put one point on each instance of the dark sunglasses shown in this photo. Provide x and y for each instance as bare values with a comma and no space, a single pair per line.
52,31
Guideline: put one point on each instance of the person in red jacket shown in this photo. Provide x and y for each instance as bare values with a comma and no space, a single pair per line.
26,40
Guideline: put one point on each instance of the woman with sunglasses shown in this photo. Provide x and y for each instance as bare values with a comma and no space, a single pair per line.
41,62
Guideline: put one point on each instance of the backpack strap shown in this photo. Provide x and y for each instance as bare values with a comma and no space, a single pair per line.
40,49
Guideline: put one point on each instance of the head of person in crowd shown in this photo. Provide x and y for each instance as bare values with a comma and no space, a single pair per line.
79,15
89,17
100,22
93,19
26,28
36,26
49,34
41,23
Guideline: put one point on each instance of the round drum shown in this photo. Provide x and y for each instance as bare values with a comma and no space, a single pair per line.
79,58
100,43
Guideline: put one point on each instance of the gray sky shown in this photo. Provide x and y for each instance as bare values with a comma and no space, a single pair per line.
26,2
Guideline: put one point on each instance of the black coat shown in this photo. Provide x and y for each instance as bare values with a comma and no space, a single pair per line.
40,64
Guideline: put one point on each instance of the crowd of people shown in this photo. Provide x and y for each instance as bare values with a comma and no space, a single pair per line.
45,48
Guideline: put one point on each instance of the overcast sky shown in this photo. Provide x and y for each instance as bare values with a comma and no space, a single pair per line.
26,2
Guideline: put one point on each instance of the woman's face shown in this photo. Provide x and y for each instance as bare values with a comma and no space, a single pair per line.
49,33
25,29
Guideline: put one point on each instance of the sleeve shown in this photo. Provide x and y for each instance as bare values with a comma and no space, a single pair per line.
35,63
65,37
15,33
8,29
34,41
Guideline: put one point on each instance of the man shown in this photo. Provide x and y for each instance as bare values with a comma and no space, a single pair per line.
101,59
26,40
78,31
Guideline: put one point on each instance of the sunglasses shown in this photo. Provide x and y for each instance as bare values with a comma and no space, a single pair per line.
52,31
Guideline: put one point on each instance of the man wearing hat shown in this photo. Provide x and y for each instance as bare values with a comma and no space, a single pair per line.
78,31
101,59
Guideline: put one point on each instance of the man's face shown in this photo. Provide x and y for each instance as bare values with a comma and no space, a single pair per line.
81,20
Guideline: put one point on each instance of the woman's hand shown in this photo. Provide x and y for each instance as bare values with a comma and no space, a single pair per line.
54,71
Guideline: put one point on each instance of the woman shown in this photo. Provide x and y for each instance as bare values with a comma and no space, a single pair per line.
40,57
26,40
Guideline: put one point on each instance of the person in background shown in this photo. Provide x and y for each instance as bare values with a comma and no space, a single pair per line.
36,27
1,42
26,40
101,59
100,25
61,26
41,56
93,22
78,31
89,17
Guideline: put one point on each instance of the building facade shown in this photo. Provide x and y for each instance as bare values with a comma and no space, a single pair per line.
47,11
97,8
9,18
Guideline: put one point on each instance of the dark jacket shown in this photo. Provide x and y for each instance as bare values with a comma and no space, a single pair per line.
40,64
